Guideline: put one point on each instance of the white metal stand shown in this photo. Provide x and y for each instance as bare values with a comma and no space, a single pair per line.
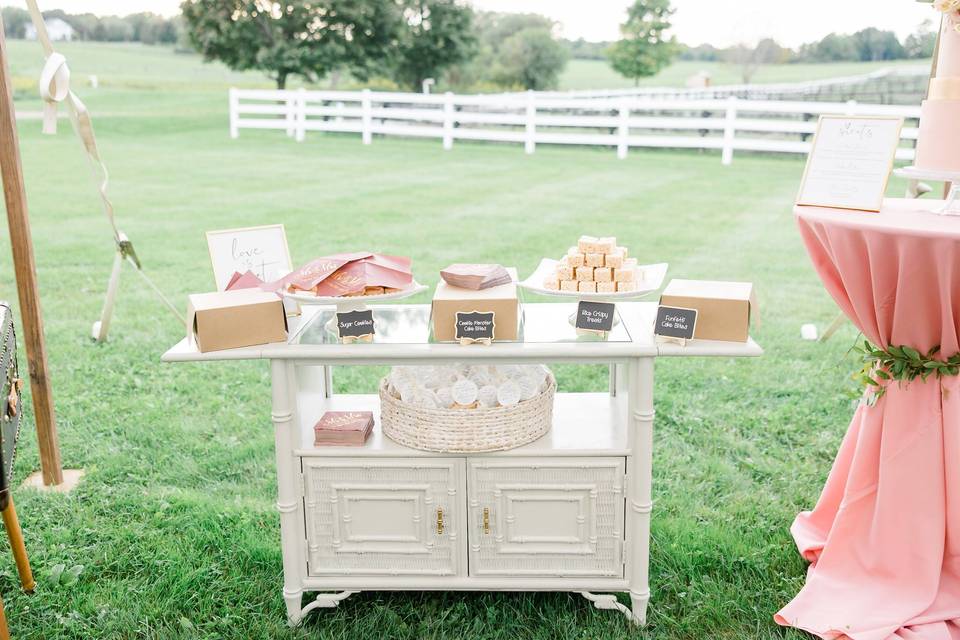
125,252
568,512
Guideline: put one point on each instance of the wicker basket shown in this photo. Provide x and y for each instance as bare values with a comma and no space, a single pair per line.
467,430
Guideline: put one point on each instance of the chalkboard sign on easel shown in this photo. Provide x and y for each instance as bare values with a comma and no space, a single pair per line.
675,323
595,316
355,325
475,326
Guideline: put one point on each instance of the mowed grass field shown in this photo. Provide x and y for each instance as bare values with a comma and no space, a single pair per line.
173,530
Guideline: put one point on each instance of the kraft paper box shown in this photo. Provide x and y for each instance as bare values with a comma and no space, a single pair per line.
240,318
501,299
724,309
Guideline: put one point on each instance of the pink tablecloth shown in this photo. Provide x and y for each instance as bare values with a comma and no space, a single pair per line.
884,538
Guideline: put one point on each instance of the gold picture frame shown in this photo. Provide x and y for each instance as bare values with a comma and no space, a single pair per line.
875,201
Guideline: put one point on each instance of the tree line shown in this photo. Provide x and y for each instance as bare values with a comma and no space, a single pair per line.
408,43
145,27
866,45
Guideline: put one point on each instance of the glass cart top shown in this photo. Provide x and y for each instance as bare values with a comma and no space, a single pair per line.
410,324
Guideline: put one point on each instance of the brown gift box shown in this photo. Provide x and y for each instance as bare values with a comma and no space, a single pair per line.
724,309
240,318
501,299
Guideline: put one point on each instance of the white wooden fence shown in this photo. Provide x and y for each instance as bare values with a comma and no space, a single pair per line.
727,125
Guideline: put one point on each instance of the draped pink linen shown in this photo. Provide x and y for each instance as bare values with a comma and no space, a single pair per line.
884,538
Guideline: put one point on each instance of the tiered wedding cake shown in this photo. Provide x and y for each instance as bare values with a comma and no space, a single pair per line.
938,148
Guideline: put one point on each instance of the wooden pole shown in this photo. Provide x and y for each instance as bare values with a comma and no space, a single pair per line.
25,270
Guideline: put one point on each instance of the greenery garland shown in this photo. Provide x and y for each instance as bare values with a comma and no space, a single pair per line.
901,363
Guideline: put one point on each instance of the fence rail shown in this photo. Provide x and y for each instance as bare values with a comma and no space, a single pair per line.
727,125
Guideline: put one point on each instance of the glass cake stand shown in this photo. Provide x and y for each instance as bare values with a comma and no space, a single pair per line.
345,304
951,206
409,324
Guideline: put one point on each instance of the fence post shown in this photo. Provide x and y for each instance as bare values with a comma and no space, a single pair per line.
448,121
234,112
729,130
301,121
366,117
291,115
623,129
530,142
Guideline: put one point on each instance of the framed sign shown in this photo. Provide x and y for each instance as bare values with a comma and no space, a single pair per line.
355,324
595,316
850,162
262,250
475,326
677,323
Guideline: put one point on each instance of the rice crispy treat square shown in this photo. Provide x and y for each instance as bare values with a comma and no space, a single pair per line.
603,274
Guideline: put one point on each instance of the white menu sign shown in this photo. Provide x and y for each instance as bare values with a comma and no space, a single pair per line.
850,162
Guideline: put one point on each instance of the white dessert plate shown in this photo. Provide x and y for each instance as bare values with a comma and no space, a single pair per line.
309,298
653,275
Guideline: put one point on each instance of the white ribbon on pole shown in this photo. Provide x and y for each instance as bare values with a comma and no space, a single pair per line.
54,89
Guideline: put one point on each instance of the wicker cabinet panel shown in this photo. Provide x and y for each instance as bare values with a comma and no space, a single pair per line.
536,517
384,517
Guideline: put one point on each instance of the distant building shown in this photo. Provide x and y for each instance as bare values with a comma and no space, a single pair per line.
57,29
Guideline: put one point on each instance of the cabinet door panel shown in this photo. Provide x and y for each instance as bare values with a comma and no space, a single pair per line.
562,517
383,517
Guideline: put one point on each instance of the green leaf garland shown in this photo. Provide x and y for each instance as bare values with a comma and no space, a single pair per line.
900,363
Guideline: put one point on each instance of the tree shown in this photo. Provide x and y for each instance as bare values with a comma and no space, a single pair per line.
496,28
874,44
15,21
767,51
922,42
297,37
532,59
113,29
438,35
644,49
833,47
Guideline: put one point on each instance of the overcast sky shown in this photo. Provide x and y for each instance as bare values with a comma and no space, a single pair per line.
720,22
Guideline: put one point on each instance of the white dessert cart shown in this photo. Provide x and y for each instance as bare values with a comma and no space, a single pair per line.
567,512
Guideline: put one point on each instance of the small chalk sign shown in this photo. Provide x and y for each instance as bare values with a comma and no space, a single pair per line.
675,322
475,326
355,324
595,316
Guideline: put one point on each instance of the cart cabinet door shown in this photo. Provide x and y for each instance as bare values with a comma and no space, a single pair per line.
384,517
537,517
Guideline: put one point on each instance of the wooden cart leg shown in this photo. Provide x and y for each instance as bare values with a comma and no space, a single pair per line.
4,631
12,525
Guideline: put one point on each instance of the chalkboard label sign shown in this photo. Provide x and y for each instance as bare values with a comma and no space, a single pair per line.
595,316
475,326
355,324
675,322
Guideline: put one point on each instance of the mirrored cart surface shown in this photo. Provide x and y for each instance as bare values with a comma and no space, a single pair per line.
410,324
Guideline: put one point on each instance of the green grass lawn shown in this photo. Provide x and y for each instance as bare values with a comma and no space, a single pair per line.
597,74
175,525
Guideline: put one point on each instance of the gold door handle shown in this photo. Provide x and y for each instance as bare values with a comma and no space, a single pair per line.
439,521
486,520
